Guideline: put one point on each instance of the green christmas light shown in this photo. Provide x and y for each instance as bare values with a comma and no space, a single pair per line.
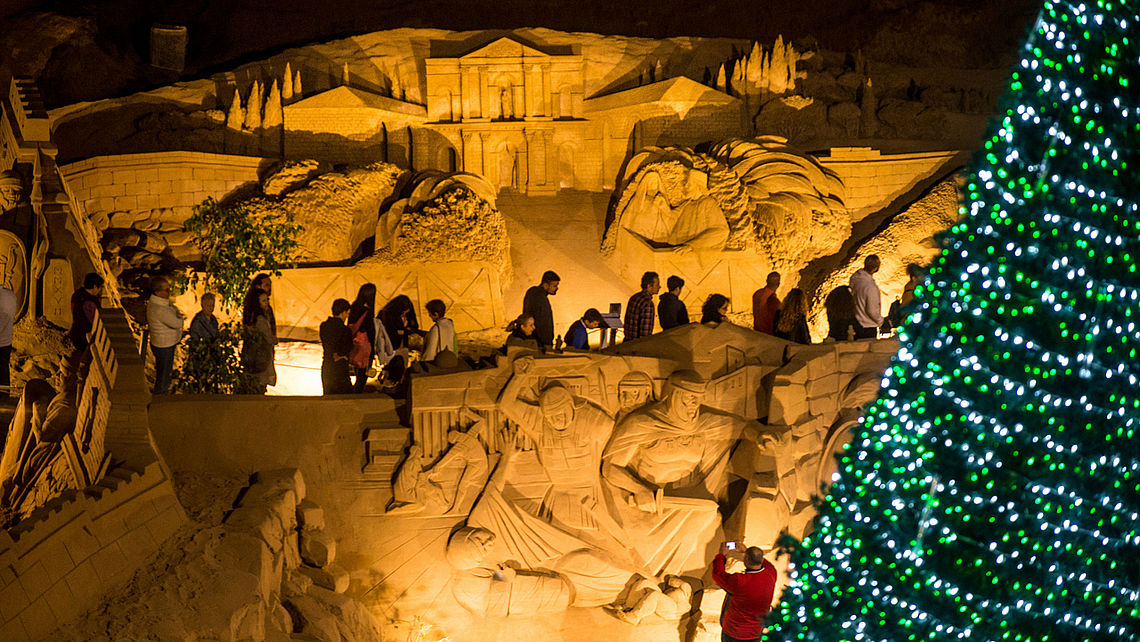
993,490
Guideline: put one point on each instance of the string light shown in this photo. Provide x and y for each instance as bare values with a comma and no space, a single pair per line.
993,490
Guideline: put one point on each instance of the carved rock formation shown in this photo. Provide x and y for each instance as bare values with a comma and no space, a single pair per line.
337,210
443,217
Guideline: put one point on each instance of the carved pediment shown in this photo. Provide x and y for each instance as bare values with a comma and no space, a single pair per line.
505,47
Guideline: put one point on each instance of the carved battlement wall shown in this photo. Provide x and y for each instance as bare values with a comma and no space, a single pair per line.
68,555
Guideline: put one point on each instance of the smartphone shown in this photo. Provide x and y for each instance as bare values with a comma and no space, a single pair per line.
730,546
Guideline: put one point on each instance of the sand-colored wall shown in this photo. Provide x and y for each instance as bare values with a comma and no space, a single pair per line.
65,558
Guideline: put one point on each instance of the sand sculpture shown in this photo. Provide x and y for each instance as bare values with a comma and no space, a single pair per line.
757,194
55,440
719,432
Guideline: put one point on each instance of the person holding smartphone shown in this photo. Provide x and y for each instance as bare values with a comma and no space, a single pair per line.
748,595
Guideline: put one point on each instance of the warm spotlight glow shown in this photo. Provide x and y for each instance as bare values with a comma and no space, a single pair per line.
298,369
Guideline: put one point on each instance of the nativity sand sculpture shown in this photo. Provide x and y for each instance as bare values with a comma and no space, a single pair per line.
577,508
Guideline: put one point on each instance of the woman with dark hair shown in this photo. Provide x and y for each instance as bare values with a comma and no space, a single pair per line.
521,333
399,319
840,308
791,318
360,322
715,309
258,338
264,283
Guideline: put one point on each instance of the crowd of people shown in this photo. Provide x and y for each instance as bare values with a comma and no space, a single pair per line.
360,340
853,311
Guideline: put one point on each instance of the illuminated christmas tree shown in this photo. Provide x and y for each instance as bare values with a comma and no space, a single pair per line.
993,490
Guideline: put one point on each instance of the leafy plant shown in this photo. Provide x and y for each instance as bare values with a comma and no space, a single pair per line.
214,367
236,243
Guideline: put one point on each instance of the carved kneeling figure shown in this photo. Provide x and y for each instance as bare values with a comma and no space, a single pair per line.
647,597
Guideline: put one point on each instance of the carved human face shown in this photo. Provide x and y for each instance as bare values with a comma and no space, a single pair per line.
483,541
685,405
560,419
9,197
471,549
632,396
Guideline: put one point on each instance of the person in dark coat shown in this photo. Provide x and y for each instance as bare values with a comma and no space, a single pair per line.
715,309
671,312
360,317
536,304
521,334
336,341
84,305
840,307
204,325
399,319
791,318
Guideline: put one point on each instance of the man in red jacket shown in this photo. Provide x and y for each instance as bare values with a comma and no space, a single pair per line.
749,594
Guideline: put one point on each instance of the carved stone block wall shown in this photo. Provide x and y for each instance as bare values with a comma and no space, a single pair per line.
126,189
874,181
65,557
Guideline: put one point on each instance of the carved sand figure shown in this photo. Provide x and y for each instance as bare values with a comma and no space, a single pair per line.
449,485
665,466
668,600
634,391
11,190
757,193
34,467
486,583
568,433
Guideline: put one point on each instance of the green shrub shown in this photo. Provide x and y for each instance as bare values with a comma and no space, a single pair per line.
215,366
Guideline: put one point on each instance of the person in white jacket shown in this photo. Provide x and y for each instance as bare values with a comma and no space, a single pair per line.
164,323
442,335
868,300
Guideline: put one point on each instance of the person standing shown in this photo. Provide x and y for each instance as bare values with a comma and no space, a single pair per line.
336,343
442,335
671,312
840,307
791,318
204,325
360,321
264,283
765,304
868,300
164,323
639,311
536,304
578,334
260,338
8,308
748,595
84,306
